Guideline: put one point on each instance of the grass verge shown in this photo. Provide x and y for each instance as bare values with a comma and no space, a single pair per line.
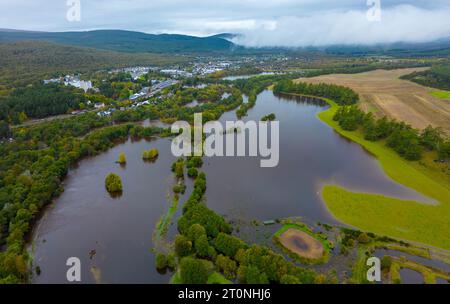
441,94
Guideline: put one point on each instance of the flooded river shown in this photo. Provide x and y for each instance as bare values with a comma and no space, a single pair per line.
113,236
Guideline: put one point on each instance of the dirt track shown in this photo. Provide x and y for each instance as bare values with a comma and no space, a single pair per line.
384,93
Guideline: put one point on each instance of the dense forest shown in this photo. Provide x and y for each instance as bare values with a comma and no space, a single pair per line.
25,62
437,77
341,95
39,101
402,138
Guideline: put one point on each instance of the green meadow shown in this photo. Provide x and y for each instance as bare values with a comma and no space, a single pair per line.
441,94
408,220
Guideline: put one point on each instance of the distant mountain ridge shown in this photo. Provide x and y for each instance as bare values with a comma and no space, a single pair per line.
126,41
138,42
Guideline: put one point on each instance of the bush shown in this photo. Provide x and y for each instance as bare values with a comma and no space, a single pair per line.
289,279
192,172
195,231
269,117
363,238
202,247
122,159
171,261
193,271
386,263
227,266
178,168
183,246
179,188
161,261
194,162
200,214
255,276
228,245
151,154
113,183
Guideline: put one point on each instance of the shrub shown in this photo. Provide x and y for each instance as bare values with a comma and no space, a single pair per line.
363,238
113,183
386,263
183,246
196,231
161,261
179,188
193,271
171,261
194,162
192,172
289,279
151,154
227,266
122,159
228,245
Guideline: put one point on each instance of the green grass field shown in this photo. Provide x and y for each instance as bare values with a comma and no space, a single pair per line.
414,221
441,94
383,215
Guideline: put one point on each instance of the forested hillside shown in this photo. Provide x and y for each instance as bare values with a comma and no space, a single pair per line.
24,62
127,41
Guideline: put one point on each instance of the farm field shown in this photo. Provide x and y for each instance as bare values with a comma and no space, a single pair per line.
383,93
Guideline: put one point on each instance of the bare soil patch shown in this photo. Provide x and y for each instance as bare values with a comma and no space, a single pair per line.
302,244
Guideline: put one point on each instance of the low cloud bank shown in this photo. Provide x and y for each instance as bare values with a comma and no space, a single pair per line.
402,23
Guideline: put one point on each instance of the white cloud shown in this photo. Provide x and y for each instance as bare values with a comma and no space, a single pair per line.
289,23
402,23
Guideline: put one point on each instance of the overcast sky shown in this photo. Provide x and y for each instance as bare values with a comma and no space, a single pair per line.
261,22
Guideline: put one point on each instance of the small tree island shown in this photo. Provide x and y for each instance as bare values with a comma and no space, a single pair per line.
113,183
150,155
270,117
122,159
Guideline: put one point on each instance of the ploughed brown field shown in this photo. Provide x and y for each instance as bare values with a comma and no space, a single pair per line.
383,93
302,244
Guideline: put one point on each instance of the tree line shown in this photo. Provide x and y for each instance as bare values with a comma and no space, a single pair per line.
401,137
436,77
341,95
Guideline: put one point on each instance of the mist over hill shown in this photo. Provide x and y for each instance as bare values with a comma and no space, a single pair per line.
225,43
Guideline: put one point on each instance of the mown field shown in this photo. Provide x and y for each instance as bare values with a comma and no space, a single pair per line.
408,220
382,92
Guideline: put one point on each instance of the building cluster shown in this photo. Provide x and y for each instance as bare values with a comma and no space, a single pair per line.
210,67
174,73
72,80
138,72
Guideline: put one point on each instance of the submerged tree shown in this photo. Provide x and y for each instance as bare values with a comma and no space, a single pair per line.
122,159
151,154
113,183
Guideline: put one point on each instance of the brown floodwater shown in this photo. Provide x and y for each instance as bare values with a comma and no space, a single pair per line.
119,231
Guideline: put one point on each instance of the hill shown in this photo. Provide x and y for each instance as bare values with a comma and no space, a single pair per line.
27,61
126,41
